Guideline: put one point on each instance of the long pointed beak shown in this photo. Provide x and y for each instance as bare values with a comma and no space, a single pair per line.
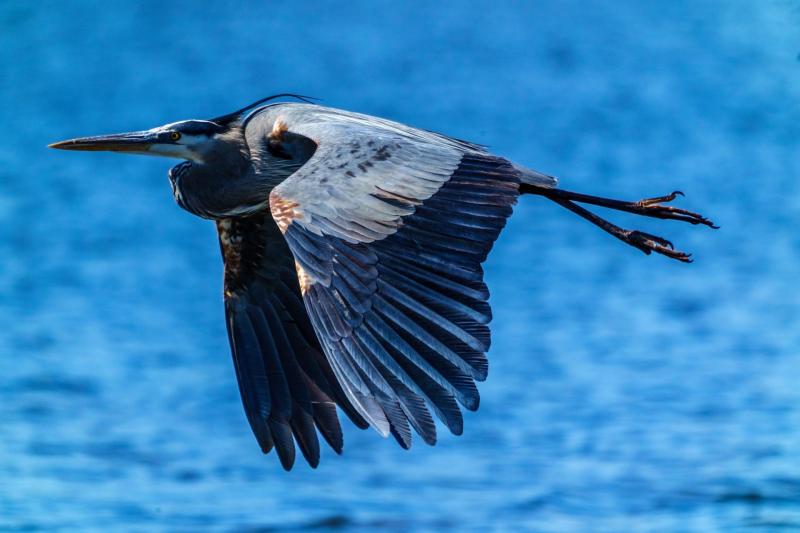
137,141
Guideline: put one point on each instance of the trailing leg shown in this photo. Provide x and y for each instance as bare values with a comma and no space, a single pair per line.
650,207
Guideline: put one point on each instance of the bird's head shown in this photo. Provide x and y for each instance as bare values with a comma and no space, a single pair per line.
189,139
194,140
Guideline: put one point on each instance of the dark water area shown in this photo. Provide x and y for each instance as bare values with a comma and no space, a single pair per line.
625,393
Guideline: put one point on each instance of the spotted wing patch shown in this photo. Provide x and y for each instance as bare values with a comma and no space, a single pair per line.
354,185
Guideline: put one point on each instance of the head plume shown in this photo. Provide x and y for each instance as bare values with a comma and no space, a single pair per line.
230,117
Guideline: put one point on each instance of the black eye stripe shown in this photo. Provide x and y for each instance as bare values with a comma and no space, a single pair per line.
197,127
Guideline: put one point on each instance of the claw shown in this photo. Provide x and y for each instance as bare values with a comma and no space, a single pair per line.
648,243
661,240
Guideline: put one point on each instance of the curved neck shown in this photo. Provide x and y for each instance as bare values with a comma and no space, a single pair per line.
218,185
226,180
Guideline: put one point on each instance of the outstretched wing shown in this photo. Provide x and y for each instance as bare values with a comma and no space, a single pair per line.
286,384
389,227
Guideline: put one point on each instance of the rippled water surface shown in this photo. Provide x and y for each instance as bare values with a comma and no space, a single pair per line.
626,393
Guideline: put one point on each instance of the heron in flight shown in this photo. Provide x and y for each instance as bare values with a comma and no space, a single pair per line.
353,248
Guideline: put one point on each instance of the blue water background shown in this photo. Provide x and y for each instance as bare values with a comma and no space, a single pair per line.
626,393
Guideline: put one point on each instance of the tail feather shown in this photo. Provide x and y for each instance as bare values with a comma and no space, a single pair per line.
533,177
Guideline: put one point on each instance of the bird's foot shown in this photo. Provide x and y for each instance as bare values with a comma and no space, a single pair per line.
652,207
653,243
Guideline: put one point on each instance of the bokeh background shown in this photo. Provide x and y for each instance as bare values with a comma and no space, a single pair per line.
626,393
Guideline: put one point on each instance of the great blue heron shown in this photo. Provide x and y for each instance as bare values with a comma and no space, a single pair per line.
380,230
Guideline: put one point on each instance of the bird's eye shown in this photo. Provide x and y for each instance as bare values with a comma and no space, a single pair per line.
175,135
